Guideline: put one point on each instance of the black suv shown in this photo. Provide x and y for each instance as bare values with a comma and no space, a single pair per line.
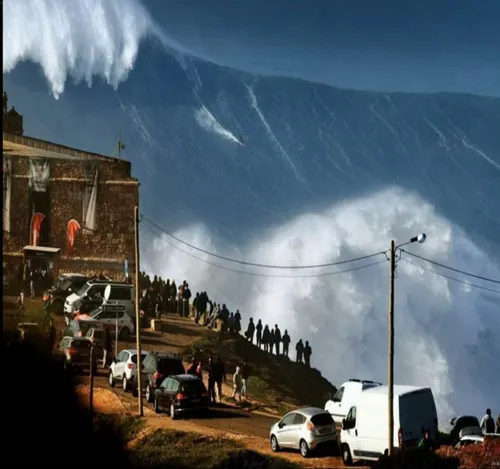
64,286
155,368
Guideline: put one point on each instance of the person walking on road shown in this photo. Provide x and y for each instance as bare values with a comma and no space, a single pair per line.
307,354
192,367
299,348
220,375
245,374
237,384
258,328
212,371
286,343
107,349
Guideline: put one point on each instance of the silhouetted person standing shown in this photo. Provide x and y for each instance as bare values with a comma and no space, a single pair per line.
426,442
266,337
487,423
277,338
212,372
271,341
250,331
286,343
299,348
307,354
258,328
220,375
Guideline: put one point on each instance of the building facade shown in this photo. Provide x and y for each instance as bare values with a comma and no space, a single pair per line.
76,194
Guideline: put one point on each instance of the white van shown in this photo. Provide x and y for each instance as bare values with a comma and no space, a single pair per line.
347,396
364,434
93,293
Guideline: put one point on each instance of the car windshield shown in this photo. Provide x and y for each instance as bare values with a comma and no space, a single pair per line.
322,419
83,289
170,366
134,358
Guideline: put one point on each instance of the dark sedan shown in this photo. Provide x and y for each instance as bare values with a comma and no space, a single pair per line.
181,394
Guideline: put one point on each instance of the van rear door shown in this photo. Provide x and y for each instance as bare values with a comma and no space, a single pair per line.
417,413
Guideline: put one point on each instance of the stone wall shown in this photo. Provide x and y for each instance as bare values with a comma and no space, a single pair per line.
101,251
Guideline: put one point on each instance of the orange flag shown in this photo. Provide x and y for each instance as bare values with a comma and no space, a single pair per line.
36,224
73,228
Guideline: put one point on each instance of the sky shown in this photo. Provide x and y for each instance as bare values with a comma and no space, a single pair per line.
383,45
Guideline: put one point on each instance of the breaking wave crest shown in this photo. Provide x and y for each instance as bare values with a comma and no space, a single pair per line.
447,333
208,122
79,39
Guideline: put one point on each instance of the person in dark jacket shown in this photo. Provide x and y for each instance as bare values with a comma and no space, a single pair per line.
220,375
272,341
299,348
237,321
307,354
192,367
286,343
497,429
426,442
258,328
250,331
277,338
108,348
266,338
212,371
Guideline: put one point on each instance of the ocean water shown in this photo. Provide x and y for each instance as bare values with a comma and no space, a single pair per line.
277,170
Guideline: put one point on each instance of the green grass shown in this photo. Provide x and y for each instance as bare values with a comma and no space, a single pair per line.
275,381
168,449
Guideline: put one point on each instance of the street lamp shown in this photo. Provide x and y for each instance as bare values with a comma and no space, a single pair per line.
416,239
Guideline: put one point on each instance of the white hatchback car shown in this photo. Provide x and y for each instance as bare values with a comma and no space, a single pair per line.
122,367
113,317
304,429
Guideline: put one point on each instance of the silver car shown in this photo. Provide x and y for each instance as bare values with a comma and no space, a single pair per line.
304,429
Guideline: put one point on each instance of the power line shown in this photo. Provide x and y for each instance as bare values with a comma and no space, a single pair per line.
267,266
256,274
480,287
486,279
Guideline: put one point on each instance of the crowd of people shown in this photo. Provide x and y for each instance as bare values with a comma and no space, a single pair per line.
161,296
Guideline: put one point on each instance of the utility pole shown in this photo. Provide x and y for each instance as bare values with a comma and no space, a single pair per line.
137,311
391,349
91,393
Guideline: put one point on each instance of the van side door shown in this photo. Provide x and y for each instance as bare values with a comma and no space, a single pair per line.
350,433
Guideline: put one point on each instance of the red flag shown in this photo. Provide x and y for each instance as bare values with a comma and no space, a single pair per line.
36,224
73,228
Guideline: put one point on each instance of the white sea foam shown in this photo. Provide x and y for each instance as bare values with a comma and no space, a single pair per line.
447,333
208,122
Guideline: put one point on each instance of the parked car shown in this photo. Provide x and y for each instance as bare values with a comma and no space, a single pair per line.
75,353
111,317
155,368
305,429
64,286
91,294
463,422
364,430
122,366
346,396
467,440
181,394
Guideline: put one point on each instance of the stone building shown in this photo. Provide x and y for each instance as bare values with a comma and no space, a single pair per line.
64,184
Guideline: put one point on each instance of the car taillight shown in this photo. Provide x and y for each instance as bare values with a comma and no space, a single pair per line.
72,351
130,366
181,396
310,426
400,437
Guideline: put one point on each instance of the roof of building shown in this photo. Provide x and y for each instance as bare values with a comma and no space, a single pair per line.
20,145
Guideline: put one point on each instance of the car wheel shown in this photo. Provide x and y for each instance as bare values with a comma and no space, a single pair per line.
274,444
304,449
156,406
58,307
111,380
173,415
124,333
125,384
346,455
149,394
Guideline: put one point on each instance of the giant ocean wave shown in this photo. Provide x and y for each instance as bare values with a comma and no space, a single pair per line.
324,174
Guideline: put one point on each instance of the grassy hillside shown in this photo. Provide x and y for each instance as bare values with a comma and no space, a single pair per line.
277,382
